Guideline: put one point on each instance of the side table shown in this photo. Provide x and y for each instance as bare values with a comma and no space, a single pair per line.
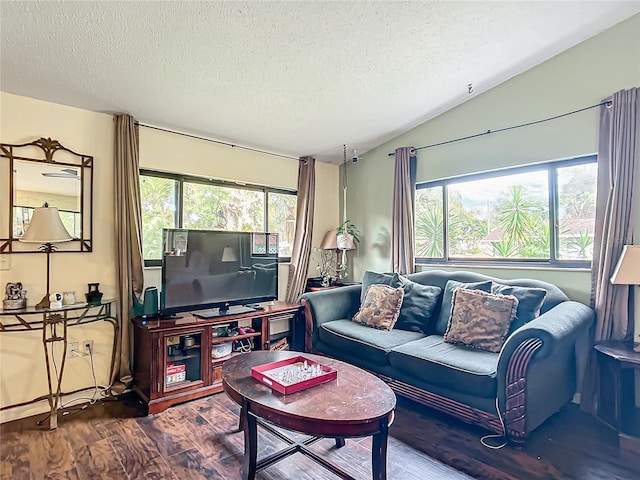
617,365
54,323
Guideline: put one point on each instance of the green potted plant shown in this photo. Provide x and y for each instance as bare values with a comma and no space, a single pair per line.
348,235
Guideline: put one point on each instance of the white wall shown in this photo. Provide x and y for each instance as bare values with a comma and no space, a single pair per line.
579,77
23,119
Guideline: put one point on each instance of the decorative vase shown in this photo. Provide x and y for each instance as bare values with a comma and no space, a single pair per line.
68,298
345,241
94,296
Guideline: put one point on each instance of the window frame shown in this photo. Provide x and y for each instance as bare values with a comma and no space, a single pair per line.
179,199
552,178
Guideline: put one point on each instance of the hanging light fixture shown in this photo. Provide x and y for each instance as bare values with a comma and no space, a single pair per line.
345,240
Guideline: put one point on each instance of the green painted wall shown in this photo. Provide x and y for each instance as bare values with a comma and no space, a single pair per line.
579,77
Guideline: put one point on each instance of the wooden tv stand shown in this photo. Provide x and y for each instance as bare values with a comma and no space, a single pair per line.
174,358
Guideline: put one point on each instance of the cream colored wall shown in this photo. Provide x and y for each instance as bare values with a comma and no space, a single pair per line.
37,199
23,119
22,376
579,77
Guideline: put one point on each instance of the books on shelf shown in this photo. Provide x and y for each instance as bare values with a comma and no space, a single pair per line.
281,344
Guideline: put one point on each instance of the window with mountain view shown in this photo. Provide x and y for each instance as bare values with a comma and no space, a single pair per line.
538,214
175,201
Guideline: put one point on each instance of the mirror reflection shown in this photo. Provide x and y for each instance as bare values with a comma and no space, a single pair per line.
39,172
35,183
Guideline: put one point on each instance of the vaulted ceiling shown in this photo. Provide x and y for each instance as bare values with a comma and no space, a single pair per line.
297,78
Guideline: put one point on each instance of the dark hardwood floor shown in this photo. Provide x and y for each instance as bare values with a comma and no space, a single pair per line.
114,439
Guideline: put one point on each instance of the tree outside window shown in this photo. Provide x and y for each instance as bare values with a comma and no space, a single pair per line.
158,197
175,201
508,216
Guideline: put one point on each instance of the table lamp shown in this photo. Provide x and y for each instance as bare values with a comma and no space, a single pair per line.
228,256
46,228
330,242
627,272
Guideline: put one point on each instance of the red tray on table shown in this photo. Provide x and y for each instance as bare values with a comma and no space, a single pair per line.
269,374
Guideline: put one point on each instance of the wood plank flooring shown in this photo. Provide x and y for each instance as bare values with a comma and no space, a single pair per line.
196,440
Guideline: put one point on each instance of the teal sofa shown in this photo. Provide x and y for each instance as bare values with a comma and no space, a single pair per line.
512,392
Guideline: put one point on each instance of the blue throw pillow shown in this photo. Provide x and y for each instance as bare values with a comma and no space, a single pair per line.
445,310
530,302
419,303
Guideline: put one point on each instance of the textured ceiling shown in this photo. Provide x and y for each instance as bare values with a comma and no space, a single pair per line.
297,78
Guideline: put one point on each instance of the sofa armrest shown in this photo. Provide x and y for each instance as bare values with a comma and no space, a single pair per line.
554,328
536,371
327,305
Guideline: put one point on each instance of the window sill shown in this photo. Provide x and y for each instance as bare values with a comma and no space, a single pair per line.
466,266
159,268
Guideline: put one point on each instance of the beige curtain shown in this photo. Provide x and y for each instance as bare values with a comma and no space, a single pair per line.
128,223
617,159
304,226
402,222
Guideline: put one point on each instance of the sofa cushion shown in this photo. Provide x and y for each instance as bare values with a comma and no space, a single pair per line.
381,307
366,343
436,362
418,306
480,319
530,301
374,278
440,278
445,310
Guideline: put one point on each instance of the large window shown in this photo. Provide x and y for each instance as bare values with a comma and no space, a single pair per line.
539,214
177,201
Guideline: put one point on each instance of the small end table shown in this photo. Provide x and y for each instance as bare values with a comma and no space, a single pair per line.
617,364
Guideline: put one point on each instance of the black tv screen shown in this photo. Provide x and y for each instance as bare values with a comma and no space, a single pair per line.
215,269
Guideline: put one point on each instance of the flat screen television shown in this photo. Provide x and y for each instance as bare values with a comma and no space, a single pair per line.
216,272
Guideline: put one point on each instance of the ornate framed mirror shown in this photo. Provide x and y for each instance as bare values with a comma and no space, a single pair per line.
31,176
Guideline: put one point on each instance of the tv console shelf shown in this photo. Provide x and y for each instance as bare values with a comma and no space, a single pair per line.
173,361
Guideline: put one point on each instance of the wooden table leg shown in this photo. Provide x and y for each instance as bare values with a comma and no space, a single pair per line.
50,337
379,451
250,427
242,416
339,442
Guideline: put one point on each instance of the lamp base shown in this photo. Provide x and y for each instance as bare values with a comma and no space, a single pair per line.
44,303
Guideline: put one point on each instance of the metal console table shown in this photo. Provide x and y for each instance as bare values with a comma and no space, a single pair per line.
54,324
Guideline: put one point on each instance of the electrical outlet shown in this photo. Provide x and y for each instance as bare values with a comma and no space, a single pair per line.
72,350
5,262
87,347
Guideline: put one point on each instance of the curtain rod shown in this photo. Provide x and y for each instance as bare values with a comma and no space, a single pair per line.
232,145
608,103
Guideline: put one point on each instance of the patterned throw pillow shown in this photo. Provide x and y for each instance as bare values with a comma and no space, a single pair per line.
374,278
381,307
480,319
447,297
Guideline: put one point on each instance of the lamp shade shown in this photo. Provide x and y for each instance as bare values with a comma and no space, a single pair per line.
330,240
229,254
627,271
46,227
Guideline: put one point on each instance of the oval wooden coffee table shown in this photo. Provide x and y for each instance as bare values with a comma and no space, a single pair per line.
356,404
